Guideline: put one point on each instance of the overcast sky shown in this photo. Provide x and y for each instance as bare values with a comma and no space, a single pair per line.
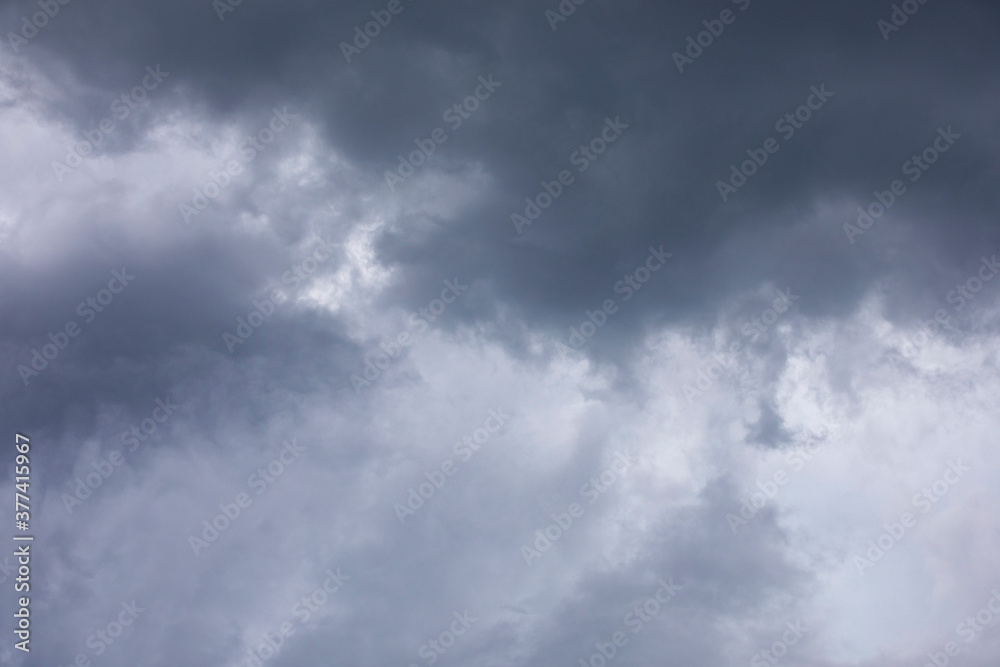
500,334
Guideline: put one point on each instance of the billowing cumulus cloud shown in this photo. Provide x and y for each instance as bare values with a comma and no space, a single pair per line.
575,333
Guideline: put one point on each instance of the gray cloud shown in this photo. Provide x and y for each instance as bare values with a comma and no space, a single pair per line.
853,350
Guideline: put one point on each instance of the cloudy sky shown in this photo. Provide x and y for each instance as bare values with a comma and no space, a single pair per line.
499,334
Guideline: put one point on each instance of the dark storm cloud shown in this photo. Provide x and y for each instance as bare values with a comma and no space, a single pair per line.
658,183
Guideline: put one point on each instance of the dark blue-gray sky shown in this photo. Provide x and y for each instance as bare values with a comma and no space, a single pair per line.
348,264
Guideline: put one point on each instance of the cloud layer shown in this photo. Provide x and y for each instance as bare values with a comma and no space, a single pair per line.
532,334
